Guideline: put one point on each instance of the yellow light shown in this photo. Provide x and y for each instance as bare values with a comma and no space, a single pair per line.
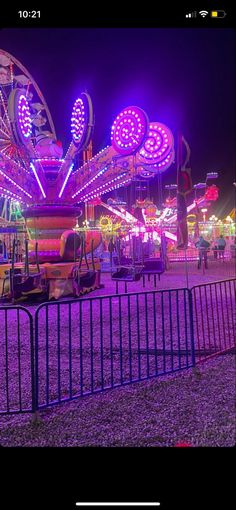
214,14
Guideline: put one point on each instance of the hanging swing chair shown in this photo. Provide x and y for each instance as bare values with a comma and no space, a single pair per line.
126,273
25,284
85,280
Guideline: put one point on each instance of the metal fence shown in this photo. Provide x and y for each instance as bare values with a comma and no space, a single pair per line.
85,346
214,318
90,345
17,376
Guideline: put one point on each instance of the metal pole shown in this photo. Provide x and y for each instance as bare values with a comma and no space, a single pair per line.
186,268
179,163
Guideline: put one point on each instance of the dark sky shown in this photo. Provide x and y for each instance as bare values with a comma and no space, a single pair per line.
184,78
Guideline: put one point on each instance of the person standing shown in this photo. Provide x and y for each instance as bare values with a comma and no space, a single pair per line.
221,243
164,251
202,246
215,250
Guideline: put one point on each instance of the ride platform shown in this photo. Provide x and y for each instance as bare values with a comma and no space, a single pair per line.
59,278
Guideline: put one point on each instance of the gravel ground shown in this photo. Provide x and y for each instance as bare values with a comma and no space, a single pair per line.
110,342
196,406
146,347
175,277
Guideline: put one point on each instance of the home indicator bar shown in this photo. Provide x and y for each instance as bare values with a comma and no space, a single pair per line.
150,504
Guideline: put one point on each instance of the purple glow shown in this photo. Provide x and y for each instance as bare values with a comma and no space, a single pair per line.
129,130
90,181
7,194
158,144
65,181
151,170
108,186
24,120
15,184
82,121
146,174
78,120
162,167
38,181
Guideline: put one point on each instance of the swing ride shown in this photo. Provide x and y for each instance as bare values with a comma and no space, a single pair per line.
51,188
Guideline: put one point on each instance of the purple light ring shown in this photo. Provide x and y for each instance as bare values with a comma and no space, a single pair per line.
167,162
146,174
158,144
129,130
153,152
154,167
82,121
19,113
162,166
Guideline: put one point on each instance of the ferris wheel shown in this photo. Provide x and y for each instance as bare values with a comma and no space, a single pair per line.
25,120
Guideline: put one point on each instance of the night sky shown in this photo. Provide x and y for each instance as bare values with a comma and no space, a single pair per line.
184,78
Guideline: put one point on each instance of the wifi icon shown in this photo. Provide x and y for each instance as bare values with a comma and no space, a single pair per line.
203,13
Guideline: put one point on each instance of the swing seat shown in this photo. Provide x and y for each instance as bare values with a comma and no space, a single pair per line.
128,274
17,278
137,276
30,284
85,279
153,266
38,290
88,279
126,261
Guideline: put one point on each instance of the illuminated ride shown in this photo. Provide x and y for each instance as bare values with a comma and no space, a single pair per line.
50,187
158,222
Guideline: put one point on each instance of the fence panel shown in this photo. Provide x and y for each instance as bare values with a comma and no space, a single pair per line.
16,360
88,345
214,318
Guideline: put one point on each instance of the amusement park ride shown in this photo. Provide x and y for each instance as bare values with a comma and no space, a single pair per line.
51,188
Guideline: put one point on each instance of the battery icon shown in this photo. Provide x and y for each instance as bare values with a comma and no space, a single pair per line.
218,14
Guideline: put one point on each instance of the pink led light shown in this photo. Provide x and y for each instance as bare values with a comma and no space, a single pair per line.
163,165
65,181
82,120
146,174
104,188
38,180
78,120
151,170
158,144
15,184
89,182
23,114
129,130
6,193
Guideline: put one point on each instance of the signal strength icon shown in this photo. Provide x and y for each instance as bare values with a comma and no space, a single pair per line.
191,15
203,13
